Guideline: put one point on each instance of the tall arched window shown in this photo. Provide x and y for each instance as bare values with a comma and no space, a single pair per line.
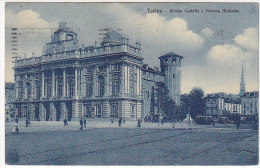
115,86
132,84
89,87
101,86
29,89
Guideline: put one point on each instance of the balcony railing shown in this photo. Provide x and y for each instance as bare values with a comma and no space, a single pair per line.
28,61
79,53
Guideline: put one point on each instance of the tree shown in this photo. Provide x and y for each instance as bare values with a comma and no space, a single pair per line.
197,103
162,95
163,101
152,103
184,104
170,109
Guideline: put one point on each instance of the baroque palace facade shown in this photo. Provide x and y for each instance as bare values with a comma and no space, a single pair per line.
109,80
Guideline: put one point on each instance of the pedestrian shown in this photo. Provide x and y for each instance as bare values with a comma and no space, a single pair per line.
112,121
238,122
120,122
162,120
85,122
65,122
139,123
81,124
16,120
124,121
26,122
15,129
213,123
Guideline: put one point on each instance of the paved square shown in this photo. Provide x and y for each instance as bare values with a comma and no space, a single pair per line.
103,145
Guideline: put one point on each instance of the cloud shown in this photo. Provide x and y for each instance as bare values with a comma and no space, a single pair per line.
248,40
157,30
33,32
207,32
224,63
26,19
244,48
227,53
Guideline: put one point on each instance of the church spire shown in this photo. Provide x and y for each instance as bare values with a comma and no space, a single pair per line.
242,82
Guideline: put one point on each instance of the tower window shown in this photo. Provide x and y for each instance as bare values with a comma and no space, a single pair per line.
69,37
174,60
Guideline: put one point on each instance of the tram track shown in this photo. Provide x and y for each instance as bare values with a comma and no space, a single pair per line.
106,149
230,140
219,140
91,143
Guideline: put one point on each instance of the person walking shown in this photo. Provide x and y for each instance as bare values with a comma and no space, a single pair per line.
15,129
238,122
120,122
85,122
65,122
81,124
26,122
139,123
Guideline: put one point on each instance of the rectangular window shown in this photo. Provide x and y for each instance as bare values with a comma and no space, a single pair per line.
87,111
98,111
115,67
133,111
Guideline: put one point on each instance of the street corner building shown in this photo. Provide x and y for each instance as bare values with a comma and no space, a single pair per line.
105,80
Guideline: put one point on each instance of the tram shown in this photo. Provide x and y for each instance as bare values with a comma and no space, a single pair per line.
204,119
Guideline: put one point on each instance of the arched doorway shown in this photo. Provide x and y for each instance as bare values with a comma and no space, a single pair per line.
58,111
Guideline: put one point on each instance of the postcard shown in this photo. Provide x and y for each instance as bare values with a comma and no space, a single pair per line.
131,84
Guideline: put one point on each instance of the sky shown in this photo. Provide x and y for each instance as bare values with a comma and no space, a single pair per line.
213,45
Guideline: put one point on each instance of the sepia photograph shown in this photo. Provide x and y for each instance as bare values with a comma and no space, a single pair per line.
131,84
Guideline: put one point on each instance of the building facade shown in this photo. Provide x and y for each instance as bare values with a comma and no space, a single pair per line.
71,82
214,104
221,104
9,98
249,103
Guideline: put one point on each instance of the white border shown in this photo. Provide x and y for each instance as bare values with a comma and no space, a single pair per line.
2,65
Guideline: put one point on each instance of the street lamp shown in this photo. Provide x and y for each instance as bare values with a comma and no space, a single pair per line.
189,109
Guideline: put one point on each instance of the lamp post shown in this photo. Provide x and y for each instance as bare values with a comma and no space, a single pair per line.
189,109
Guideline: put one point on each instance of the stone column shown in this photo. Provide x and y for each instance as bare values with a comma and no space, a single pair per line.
64,83
107,83
43,95
25,87
16,87
95,85
76,82
53,111
56,86
122,79
42,112
33,93
53,83
64,111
